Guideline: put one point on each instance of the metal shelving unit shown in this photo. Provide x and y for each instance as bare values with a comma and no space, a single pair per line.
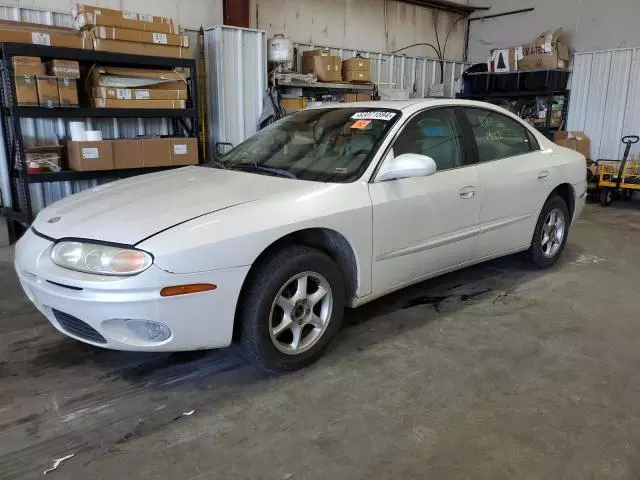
11,115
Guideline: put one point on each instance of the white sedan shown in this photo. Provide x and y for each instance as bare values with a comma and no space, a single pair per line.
327,208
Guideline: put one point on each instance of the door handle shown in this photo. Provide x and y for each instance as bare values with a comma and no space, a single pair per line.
467,193
543,174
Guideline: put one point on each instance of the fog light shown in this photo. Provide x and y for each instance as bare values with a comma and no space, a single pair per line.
149,331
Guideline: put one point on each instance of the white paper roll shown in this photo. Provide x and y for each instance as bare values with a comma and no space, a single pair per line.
78,132
94,136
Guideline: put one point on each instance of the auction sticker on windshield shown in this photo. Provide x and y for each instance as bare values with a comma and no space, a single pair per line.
385,116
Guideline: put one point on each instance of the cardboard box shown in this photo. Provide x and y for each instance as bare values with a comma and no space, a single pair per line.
356,76
363,97
114,103
177,85
184,151
86,21
34,33
48,92
28,66
577,141
63,68
26,90
135,78
138,93
350,97
68,92
326,67
503,60
79,8
357,64
133,48
89,156
156,152
293,104
126,35
549,50
48,158
127,153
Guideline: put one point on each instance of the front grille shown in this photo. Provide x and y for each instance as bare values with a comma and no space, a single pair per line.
77,327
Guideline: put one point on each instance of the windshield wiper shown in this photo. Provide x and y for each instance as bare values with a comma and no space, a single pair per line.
261,168
216,164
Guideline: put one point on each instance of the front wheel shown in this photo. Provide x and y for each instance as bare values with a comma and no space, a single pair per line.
606,197
291,309
550,235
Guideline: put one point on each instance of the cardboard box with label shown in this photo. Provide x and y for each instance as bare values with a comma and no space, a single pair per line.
127,153
63,68
138,93
48,158
116,46
184,151
89,20
90,156
577,141
293,104
114,103
48,95
23,32
138,36
28,66
326,67
156,152
26,90
79,8
503,60
356,69
68,92
549,50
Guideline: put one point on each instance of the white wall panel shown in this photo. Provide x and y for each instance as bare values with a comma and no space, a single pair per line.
605,99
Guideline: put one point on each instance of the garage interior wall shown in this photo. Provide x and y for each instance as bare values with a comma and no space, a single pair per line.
360,24
188,13
589,24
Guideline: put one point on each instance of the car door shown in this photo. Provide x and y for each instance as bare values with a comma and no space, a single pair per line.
424,225
514,180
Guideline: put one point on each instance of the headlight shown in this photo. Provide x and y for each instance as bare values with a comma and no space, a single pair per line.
100,259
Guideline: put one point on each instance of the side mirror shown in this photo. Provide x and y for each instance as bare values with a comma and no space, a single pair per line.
406,166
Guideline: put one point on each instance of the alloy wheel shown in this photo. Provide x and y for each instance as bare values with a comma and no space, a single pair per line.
553,231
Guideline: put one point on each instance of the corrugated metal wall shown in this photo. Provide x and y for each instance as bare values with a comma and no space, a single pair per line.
605,99
400,71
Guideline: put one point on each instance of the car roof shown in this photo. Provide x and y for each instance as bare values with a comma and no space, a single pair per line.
405,105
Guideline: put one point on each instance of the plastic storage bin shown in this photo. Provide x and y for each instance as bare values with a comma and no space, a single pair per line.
506,82
479,82
537,80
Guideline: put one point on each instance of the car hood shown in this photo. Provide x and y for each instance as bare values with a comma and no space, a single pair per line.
129,211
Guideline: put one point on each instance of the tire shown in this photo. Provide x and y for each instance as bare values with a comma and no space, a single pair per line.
546,255
260,314
627,195
606,197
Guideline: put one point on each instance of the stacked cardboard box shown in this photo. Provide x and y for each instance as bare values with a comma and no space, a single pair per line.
356,69
116,87
134,153
23,32
48,85
116,31
550,50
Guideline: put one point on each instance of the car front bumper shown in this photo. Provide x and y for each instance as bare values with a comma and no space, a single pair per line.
82,305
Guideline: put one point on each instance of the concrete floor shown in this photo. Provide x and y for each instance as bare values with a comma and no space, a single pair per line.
497,371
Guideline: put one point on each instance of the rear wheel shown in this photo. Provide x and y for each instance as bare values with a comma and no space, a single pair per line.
550,235
292,309
627,195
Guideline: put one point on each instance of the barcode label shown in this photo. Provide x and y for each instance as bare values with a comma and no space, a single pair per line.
38,38
160,38
179,149
146,18
130,16
142,94
123,94
90,153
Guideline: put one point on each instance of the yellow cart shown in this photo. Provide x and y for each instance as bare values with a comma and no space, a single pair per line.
619,178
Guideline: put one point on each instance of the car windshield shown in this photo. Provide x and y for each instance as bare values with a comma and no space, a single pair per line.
325,145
